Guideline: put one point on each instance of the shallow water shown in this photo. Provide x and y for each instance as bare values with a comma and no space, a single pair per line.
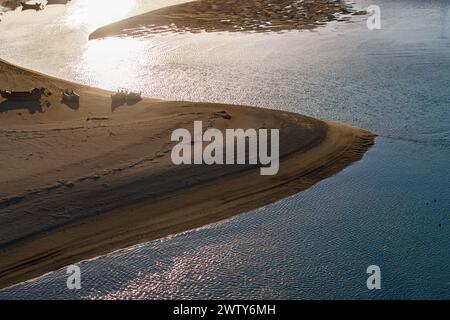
390,209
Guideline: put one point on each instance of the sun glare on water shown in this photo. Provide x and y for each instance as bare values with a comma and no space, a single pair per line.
97,13
108,63
113,63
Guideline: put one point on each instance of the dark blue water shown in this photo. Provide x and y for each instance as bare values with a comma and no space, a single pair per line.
391,209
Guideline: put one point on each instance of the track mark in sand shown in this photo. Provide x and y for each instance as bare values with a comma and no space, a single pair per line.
15,131
6,202
98,118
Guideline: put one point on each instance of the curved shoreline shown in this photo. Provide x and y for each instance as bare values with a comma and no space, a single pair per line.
85,182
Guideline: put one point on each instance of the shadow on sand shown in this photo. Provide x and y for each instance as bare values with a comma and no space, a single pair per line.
74,105
31,106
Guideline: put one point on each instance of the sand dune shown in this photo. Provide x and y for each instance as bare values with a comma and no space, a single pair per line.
77,183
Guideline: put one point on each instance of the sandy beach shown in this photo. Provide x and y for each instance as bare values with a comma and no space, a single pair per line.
231,16
81,182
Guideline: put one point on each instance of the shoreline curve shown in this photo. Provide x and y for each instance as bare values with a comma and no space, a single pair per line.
79,183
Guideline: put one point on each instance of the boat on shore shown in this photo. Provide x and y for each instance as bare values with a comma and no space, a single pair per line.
32,6
71,98
120,96
33,95
124,96
134,97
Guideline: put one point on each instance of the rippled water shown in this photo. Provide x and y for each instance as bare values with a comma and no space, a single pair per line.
391,209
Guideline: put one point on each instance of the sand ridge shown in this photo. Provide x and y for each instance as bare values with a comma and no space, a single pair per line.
78,183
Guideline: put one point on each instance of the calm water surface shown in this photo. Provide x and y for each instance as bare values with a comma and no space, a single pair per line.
390,209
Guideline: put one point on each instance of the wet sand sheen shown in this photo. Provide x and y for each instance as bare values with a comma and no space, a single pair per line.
231,16
83,182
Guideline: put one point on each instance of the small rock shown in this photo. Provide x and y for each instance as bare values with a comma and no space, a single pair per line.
223,114
359,13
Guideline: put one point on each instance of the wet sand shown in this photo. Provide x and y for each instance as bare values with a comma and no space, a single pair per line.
231,16
81,182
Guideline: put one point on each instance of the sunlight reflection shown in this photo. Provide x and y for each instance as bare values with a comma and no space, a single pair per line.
96,13
113,63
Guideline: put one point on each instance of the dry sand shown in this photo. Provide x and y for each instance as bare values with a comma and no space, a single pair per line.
78,183
232,16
